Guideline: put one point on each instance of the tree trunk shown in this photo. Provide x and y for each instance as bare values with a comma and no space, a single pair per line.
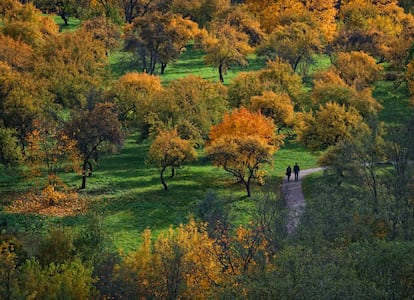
296,63
64,18
247,184
221,73
128,8
89,169
172,172
143,55
162,179
85,164
163,66
153,62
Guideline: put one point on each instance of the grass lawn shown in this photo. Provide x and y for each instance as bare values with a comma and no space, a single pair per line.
73,23
190,62
129,195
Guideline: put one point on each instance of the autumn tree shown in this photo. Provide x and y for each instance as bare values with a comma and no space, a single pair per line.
293,43
330,87
185,261
177,263
243,87
409,76
242,143
8,269
278,77
243,21
20,102
324,15
22,95
279,107
64,9
15,53
191,104
132,94
103,30
50,151
330,124
10,152
226,46
70,66
23,22
200,11
158,38
380,28
169,150
357,69
297,29
349,82
93,130
199,101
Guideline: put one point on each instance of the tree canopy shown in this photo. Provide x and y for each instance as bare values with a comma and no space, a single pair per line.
242,143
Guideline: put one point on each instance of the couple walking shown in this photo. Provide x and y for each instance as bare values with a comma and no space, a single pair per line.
295,170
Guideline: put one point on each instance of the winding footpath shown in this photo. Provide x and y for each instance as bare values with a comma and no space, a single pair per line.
295,202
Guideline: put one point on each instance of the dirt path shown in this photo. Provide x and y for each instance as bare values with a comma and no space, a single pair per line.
292,191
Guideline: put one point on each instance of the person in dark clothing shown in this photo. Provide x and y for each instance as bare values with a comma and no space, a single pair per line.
288,172
296,170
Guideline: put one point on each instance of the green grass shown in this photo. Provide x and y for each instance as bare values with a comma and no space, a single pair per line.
190,62
129,195
73,23
130,198
121,62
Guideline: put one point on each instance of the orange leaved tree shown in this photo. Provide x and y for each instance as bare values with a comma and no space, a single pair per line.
169,150
242,143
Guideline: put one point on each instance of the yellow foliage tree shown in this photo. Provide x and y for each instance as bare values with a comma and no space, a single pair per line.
329,87
357,69
71,66
278,77
242,143
178,264
226,46
277,106
169,150
132,94
329,125
20,101
15,53
159,38
380,28
186,263
24,22
295,43
51,151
